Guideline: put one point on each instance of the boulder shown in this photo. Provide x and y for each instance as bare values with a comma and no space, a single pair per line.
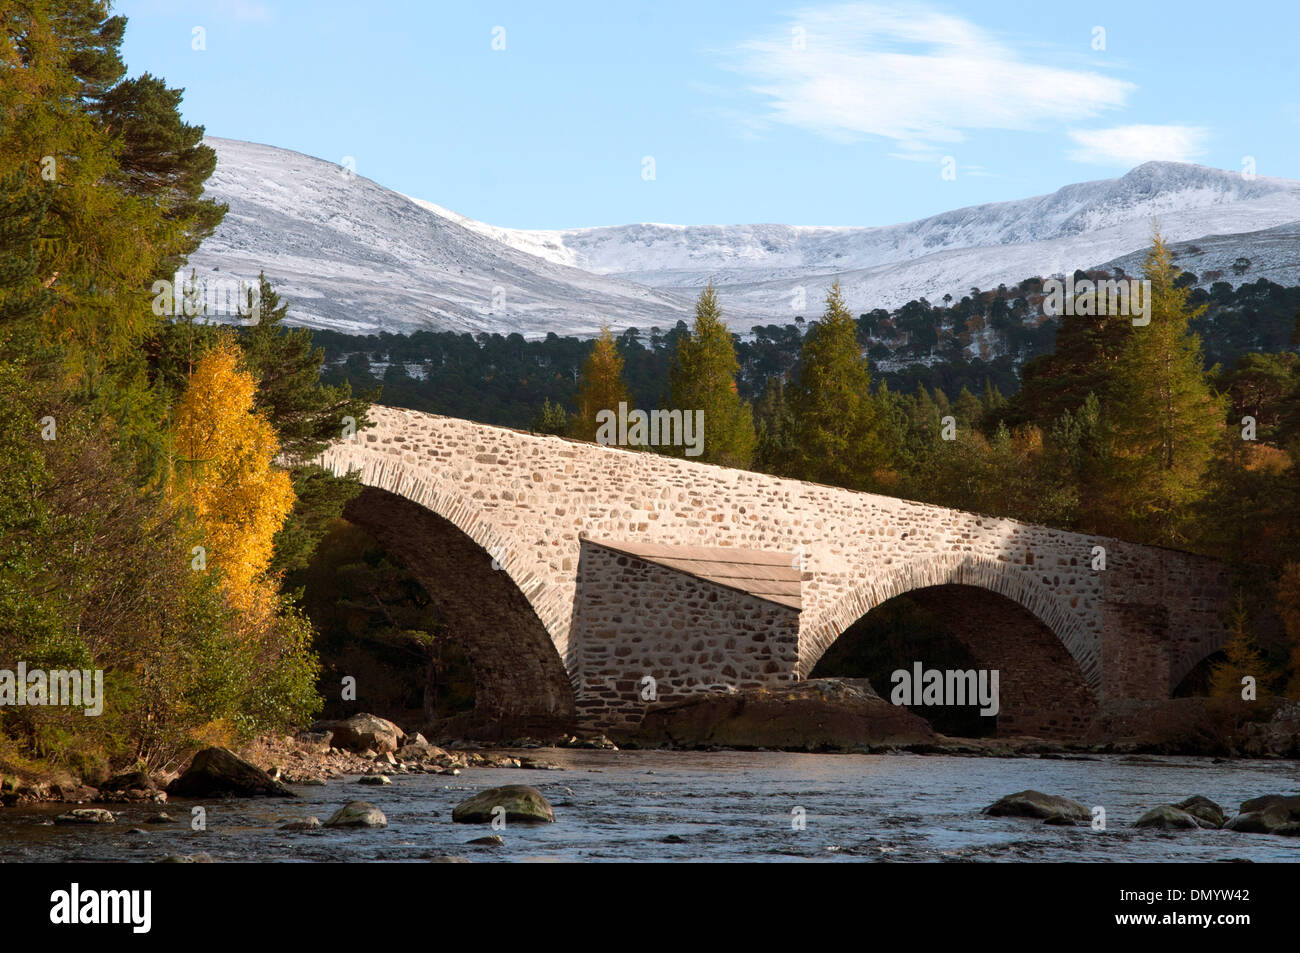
1203,809
216,771
421,751
306,824
810,715
1037,804
364,733
1289,803
1266,815
128,780
523,805
358,814
1060,820
374,779
1167,817
448,859
86,815
1258,822
491,840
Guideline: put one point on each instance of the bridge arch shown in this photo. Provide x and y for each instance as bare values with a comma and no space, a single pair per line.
993,575
476,576
1001,618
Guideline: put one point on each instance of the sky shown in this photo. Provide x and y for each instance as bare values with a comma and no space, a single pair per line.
558,115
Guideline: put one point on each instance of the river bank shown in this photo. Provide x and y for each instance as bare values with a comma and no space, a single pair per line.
820,716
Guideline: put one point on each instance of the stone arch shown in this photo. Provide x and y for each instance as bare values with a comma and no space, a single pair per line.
981,572
478,578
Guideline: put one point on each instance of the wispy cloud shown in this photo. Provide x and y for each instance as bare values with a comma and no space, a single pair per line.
919,77
1131,145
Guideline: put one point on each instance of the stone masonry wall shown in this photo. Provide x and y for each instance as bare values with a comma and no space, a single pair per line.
634,618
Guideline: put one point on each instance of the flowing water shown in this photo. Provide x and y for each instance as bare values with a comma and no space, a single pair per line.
713,806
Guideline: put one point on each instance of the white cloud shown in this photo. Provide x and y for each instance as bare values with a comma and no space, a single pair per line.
1133,145
918,77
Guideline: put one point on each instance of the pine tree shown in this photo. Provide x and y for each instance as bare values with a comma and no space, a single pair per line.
1161,415
1241,659
774,429
601,385
307,415
162,157
552,419
836,440
1082,362
23,298
703,377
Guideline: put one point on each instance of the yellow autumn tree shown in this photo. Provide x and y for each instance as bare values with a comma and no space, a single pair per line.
225,468
601,386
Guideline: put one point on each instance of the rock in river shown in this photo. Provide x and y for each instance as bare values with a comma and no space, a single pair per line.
1269,814
1204,809
218,771
816,714
358,814
522,804
86,815
1037,804
1166,817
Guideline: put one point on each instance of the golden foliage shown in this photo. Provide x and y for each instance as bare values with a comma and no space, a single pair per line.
226,472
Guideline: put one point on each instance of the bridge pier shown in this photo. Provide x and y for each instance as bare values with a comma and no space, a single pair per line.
660,623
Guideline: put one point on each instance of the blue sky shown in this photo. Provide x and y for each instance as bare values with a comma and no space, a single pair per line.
812,114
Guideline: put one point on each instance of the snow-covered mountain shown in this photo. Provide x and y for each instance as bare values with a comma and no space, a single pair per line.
352,255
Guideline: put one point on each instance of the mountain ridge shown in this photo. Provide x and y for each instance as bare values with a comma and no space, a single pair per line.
354,255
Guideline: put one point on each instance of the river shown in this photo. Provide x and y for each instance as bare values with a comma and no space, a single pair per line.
711,806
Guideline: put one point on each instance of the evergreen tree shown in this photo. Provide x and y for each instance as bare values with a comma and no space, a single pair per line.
1161,416
774,430
1083,362
836,438
703,377
552,419
23,298
307,415
1241,659
162,157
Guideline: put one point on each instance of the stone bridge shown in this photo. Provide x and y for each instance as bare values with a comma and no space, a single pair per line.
582,581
